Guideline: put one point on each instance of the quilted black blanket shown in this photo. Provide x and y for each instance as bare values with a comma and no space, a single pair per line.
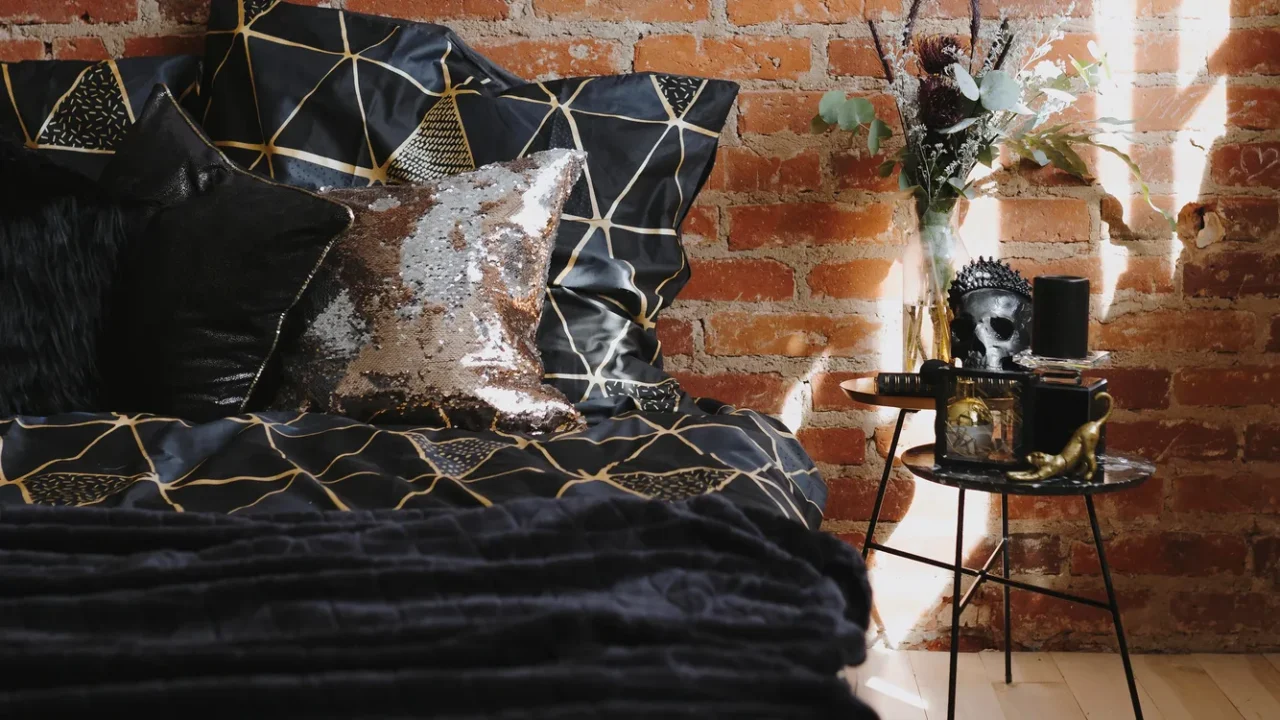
580,607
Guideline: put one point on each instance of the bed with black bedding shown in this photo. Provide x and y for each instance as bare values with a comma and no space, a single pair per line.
650,565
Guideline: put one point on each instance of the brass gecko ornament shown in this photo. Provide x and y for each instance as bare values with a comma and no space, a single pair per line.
1079,456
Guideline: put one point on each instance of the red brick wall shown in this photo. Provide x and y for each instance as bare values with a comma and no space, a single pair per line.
794,244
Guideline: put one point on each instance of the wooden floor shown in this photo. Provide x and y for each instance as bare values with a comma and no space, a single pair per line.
1071,686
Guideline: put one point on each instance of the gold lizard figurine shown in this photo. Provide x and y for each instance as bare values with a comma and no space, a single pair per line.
1079,454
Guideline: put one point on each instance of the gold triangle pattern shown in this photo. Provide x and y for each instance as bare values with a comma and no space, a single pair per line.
93,115
438,148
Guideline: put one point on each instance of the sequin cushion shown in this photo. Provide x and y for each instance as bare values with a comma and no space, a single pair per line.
426,312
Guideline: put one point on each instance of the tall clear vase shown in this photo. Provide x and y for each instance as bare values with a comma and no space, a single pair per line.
929,265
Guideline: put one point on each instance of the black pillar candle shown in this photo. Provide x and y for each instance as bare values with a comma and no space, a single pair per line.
1060,318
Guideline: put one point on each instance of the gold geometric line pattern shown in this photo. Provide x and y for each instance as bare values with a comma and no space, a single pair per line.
475,464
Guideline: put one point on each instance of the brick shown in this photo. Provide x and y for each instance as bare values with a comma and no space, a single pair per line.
545,59
1230,387
853,499
827,394
1036,220
740,279
1248,50
1252,494
1273,337
1174,108
701,225
756,226
753,12
1157,162
1185,439
867,279
1137,388
839,446
736,58
1232,275
1170,554
854,57
676,337
1218,330
1253,108
763,392
766,112
1225,612
861,171
1039,553
164,45
25,12
1051,615
81,48
623,10
990,9
1144,274
1138,220
190,12
740,169
1152,52
1262,442
19,49
1144,501
1244,219
1247,8
433,9
1266,559
790,334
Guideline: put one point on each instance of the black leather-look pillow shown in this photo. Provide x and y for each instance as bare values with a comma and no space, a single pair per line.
287,101
204,291
60,236
77,111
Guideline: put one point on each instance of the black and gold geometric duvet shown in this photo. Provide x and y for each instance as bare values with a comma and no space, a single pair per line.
77,112
280,462
319,97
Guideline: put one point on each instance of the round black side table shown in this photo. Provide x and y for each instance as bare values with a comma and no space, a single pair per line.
1115,472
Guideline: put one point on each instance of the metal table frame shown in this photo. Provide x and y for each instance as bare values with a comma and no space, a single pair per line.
984,574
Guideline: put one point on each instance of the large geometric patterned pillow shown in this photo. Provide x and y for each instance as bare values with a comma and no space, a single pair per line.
76,112
326,98
650,141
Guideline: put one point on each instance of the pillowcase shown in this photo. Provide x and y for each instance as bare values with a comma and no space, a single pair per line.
59,239
204,290
426,312
287,101
650,141
76,111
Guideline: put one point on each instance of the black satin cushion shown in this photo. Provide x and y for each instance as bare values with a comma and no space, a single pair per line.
204,290
327,98
77,111
60,236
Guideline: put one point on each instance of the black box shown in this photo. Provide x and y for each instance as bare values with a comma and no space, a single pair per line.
1061,408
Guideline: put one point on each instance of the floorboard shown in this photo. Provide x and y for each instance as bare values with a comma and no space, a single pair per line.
1250,682
1098,684
887,683
975,698
1182,689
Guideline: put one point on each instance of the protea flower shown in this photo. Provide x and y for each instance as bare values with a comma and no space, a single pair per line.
941,103
937,53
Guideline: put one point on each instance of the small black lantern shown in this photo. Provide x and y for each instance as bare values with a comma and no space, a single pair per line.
982,418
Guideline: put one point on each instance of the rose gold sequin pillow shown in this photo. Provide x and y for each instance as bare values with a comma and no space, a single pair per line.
426,312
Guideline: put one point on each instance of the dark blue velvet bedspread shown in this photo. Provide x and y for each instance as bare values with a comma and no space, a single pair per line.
584,606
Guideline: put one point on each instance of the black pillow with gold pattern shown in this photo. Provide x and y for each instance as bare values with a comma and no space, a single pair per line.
339,99
77,112
426,311
327,98
203,291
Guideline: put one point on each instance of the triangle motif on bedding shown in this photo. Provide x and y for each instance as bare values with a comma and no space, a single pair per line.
438,148
93,115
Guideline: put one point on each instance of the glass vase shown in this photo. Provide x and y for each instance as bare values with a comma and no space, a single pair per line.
929,265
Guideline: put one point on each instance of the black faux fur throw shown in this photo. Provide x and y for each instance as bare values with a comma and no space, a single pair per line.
60,235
